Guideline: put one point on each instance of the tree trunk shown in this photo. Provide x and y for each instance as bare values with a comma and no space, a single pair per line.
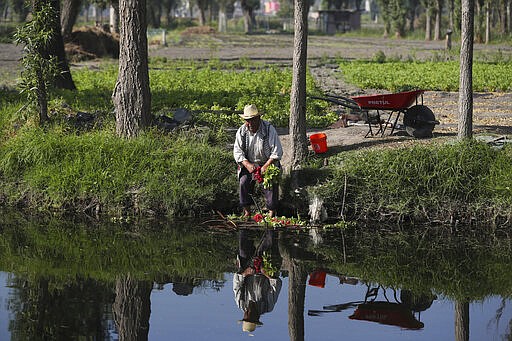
451,14
465,127
202,16
132,308
70,10
428,26
131,96
299,146
114,16
223,21
247,21
55,48
487,22
437,28
503,17
461,321
42,98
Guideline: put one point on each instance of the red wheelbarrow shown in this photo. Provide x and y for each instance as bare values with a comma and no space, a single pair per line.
418,119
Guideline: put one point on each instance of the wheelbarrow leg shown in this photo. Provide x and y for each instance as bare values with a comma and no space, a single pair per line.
396,121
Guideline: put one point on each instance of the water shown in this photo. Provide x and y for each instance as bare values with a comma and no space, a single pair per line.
73,280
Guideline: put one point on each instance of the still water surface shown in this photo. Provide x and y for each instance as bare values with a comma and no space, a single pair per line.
72,284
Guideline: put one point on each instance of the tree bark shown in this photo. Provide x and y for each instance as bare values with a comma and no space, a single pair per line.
297,277
461,321
131,96
487,22
223,21
465,126
55,48
428,26
132,308
114,16
437,28
70,10
299,144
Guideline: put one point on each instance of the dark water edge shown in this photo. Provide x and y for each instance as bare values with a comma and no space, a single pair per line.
70,279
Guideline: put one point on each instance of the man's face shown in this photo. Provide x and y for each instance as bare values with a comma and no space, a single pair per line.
253,124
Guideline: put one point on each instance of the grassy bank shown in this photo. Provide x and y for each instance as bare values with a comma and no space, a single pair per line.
67,166
464,181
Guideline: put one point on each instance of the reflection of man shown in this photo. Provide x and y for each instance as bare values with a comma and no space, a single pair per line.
256,291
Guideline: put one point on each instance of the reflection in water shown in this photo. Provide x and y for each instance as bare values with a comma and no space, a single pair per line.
83,282
397,312
255,286
132,308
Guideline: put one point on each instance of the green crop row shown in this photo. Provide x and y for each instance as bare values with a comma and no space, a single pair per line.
202,88
440,76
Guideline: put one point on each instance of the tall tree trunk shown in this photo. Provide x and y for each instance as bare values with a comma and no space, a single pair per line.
437,28
131,96
56,48
299,145
503,16
202,16
132,308
247,20
223,21
461,321
428,25
487,21
450,14
465,126
70,10
114,16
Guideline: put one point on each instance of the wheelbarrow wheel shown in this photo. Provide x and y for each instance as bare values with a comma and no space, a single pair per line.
419,121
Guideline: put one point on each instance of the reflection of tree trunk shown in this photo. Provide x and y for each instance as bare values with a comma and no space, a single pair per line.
461,321
132,308
296,297
297,276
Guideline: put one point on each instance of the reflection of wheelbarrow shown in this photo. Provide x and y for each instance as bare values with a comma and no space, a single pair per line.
396,313
419,120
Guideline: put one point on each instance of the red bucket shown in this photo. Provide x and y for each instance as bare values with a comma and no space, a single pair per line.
319,143
317,278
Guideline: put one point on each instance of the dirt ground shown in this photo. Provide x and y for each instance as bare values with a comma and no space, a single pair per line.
492,111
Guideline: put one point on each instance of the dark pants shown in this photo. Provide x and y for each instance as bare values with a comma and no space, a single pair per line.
247,189
247,250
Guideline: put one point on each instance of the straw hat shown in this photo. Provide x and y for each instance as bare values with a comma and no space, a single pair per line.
248,326
250,111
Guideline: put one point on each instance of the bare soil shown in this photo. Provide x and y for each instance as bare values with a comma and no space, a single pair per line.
492,110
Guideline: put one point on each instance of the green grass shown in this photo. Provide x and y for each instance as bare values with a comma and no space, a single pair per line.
435,76
467,180
178,175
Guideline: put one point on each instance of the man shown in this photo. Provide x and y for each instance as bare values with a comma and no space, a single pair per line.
256,145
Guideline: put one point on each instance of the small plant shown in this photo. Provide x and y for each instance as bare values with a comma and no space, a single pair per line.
39,71
379,57
271,176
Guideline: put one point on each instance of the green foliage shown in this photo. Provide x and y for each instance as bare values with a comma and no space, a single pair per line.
441,181
176,175
39,71
441,76
271,177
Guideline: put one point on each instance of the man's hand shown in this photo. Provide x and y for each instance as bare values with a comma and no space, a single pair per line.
251,167
248,271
